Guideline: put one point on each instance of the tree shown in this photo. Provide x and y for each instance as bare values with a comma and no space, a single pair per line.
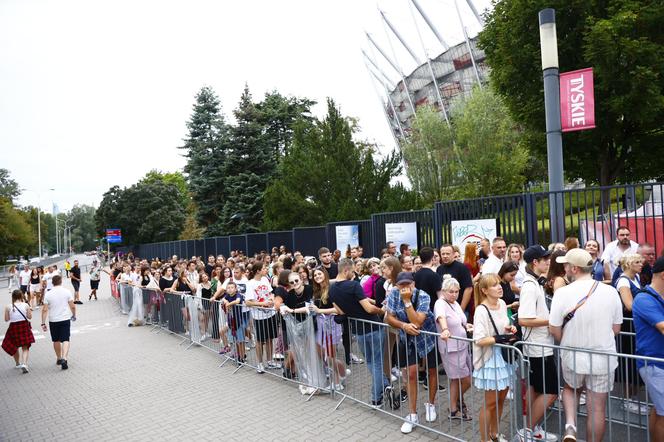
83,234
207,146
621,40
8,187
278,114
16,237
326,176
250,166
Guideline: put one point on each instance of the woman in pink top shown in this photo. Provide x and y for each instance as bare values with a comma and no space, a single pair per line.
374,269
451,323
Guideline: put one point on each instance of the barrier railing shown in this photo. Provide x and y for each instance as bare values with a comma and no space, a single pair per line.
434,381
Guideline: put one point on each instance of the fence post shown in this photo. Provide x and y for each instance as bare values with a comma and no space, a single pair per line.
530,215
438,223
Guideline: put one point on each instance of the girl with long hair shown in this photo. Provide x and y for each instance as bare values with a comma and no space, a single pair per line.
19,334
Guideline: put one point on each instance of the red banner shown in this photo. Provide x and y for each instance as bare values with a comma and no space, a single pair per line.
577,100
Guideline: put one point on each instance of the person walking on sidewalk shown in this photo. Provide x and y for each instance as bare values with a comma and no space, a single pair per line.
58,304
19,334
75,276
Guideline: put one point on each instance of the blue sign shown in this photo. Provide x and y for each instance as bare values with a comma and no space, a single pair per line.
113,236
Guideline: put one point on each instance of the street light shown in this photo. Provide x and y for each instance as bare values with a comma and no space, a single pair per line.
554,134
39,251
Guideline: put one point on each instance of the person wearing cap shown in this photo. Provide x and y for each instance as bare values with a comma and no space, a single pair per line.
95,276
534,318
586,315
408,311
648,311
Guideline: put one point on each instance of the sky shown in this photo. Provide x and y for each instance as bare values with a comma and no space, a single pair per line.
95,93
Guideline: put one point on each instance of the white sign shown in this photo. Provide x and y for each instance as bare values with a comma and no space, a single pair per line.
347,236
401,233
472,230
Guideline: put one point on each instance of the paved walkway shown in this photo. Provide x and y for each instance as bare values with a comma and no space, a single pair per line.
132,384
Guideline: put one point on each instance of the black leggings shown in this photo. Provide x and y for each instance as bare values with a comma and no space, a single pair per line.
345,339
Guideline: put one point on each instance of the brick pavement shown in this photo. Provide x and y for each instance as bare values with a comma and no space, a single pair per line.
132,384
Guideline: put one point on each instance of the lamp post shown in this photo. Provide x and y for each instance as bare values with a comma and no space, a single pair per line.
554,134
39,251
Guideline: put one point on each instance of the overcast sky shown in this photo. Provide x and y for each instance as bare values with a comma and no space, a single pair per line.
94,94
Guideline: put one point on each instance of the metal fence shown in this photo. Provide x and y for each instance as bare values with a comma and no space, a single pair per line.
528,218
314,352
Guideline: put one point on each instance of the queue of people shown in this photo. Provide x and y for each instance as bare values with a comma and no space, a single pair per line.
410,315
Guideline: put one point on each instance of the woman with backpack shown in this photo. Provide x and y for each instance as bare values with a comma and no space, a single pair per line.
19,334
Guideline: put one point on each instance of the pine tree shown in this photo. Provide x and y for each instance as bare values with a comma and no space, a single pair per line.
207,147
250,166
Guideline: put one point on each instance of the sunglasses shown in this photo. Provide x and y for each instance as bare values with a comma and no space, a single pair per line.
293,281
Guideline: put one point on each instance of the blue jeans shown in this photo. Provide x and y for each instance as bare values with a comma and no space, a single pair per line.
371,345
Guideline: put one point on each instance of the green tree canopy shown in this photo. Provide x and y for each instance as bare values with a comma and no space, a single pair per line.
623,42
8,187
16,237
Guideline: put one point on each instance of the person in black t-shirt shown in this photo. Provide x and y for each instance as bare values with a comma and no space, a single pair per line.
75,275
210,266
458,271
426,279
348,298
325,257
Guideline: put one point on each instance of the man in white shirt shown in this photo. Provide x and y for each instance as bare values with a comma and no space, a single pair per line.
495,261
24,279
615,250
534,320
61,310
586,315
48,277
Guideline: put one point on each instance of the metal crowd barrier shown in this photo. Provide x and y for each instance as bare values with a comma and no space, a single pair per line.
313,352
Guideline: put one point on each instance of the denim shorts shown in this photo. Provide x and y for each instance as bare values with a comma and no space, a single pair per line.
653,376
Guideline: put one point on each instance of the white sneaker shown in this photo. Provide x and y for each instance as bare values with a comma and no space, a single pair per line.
393,378
18,366
273,365
259,368
510,395
582,399
407,426
430,412
24,368
204,337
355,360
338,387
540,434
348,372
396,372
277,356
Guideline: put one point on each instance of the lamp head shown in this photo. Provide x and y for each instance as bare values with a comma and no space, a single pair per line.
548,38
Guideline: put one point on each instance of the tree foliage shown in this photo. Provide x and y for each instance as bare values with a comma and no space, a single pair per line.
151,210
16,237
8,187
326,176
622,41
480,153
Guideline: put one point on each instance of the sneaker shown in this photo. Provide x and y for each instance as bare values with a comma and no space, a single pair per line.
24,368
377,404
409,420
404,396
64,364
58,362
393,378
271,365
421,377
204,337
259,368
78,302
499,438
277,356
582,399
538,433
570,433
430,412
396,372
338,387
224,350
425,384
17,366
635,407
355,360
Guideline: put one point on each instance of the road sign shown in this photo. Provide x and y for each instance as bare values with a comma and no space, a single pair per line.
113,235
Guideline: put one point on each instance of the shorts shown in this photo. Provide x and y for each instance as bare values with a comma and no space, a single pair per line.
60,331
544,375
653,376
24,289
458,364
407,355
597,383
266,329
76,285
35,288
94,285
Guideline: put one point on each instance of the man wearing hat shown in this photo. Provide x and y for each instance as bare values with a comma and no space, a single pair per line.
534,318
408,311
586,315
648,312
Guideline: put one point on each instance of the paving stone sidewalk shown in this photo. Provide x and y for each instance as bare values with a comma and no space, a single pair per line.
133,384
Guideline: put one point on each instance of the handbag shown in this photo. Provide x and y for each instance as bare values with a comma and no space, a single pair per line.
507,339
568,317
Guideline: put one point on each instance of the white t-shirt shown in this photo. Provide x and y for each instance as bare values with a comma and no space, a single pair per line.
623,281
520,275
58,304
484,328
24,277
612,254
48,277
591,328
14,315
492,265
260,291
532,305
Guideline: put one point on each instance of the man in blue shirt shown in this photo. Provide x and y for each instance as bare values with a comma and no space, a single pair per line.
648,312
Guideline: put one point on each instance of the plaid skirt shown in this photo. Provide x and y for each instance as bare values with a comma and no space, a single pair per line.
18,334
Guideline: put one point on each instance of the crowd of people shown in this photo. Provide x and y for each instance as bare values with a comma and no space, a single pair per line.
445,307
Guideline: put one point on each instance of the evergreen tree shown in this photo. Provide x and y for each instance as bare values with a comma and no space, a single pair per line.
207,147
250,166
278,115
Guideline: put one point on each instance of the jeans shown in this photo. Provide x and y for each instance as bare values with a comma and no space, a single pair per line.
371,345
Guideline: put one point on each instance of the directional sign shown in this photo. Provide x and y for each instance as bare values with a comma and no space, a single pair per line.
113,235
